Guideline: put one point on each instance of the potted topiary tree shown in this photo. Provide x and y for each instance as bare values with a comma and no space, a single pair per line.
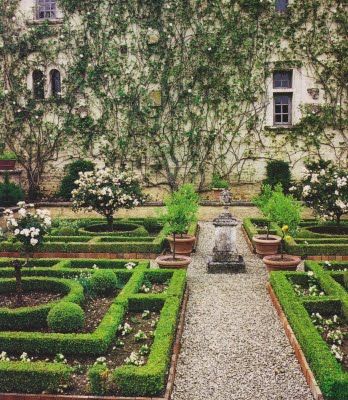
179,215
105,192
286,212
7,161
29,228
189,200
266,244
218,184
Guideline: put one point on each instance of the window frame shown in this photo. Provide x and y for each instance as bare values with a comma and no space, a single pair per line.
279,6
49,8
38,84
289,95
290,80
52,82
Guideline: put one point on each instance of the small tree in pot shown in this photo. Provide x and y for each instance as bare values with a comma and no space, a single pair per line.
105,192
286,212
181,212
29,228
266,244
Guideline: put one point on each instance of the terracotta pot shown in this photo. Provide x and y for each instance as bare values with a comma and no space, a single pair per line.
7,165
167,261
183,244
276,263
264,246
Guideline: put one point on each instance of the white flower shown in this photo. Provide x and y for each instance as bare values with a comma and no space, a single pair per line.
33,242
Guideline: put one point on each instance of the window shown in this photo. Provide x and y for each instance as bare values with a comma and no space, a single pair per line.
38,85
46,9
282,80
281,5
282,109
56,83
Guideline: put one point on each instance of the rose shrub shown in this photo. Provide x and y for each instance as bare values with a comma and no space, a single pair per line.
105,191
325,189
28,227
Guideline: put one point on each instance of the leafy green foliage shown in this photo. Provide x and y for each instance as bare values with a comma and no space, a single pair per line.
284,210
8,155
10,193
181,210
66,317
104,282
218,182
325,189
72,174
278,172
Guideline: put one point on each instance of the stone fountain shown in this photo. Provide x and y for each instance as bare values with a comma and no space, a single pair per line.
225,257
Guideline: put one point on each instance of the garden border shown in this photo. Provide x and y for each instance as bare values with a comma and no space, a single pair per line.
170,379
301,358
291,247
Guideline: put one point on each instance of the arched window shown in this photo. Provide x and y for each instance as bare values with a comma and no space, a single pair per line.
38,84
56,83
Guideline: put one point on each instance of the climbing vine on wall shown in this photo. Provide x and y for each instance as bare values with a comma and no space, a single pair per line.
175,89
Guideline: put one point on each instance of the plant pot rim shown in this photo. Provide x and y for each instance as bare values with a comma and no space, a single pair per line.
291,260
262,238
214,188
167,260
184,238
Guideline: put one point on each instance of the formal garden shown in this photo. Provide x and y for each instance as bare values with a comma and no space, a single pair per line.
96,305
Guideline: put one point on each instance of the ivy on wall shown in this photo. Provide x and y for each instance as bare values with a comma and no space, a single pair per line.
175,89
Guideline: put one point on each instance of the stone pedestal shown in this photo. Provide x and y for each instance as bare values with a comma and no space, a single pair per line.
225,257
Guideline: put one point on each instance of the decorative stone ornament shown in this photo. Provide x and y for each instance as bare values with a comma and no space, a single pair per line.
314,93
225,257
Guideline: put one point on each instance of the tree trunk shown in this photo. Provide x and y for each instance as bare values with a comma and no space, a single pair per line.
34,185
338,219
110,222
18,275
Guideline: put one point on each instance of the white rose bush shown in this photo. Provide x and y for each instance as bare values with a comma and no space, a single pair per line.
325,189
105,192
29,227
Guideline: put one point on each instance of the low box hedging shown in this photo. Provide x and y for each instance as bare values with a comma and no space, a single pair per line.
306,243
25,318
139,241
147,380
332,380
34,377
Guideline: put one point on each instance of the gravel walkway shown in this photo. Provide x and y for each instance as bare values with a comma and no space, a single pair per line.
234,347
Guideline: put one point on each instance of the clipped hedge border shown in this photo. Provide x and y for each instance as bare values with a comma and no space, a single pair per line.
95,343
33,377
150,379
292,246
25,318
333,381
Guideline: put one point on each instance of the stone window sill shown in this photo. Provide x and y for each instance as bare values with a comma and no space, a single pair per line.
55,21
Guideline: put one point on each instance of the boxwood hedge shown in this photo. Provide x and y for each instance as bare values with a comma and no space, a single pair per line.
306,243
147,380
332,379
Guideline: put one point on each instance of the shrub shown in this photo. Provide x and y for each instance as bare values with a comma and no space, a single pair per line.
104,282
284,210
66,317
72,174
10,193
105,191
218,182
278,172
325,189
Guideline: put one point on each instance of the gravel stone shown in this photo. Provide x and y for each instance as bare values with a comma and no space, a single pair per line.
233,345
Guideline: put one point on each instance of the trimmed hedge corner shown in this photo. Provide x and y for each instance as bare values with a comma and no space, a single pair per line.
333,381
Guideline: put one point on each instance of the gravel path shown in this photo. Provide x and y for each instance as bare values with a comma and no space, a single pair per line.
234,347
